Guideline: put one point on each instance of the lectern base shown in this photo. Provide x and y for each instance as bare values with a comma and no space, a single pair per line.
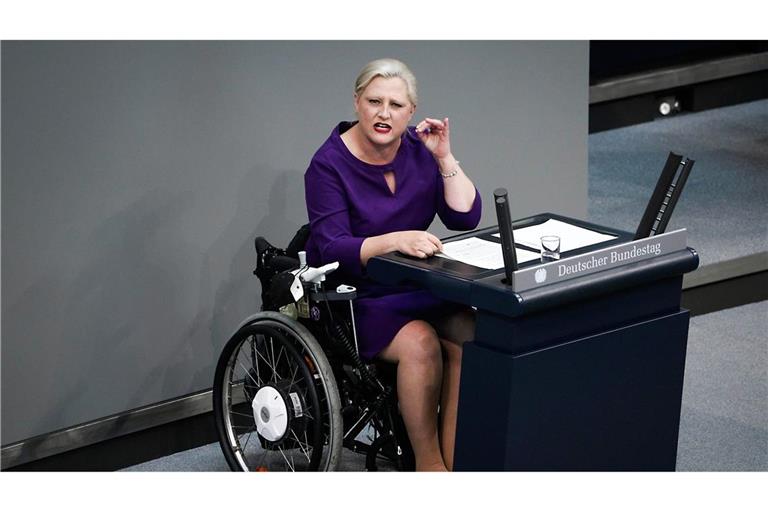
606,402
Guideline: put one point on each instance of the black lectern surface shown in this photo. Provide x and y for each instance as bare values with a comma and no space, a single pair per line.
584,372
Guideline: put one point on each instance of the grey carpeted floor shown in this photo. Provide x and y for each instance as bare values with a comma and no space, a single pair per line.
210,458
724,202
724,418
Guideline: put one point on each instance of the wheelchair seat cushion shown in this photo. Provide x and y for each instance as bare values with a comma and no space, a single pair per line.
379,319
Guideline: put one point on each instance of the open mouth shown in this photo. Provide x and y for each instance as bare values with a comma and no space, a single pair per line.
382,128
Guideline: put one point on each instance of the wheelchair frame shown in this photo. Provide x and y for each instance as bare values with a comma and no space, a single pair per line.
366,399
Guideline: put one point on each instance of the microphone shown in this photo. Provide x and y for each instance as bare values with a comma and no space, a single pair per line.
505,231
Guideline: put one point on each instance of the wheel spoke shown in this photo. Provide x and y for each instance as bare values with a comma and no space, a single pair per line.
247,372
257,381
264,455
247,440
304,447
241,431
254,361
274,370
279,354
286,459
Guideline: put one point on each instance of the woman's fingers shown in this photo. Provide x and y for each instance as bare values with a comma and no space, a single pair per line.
422,252
420,244
431,244
429,125
424,128
435,122
435,242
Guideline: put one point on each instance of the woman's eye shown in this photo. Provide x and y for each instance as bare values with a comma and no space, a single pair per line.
396,105
373,102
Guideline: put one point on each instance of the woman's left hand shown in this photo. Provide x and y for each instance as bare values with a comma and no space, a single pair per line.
435,135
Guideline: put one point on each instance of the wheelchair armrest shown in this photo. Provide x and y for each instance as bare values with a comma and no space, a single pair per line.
332,295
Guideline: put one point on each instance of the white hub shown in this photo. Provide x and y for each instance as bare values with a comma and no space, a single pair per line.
270,413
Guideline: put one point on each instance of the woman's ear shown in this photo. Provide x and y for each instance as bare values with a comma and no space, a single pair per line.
355,99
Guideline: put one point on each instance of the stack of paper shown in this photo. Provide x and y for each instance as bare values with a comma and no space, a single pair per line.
571,237
482,253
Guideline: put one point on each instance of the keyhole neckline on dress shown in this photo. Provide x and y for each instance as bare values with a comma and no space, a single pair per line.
390,179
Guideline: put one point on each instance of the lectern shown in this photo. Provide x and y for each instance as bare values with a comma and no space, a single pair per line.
578,365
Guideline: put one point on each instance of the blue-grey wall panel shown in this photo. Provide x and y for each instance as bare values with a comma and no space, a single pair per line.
136,174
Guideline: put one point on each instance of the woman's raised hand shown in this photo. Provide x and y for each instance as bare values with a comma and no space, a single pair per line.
417,243
435,134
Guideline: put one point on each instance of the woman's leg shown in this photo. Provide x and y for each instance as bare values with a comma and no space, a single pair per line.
454,331
449,400
416,350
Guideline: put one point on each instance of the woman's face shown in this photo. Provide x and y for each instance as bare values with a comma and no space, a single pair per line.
383,110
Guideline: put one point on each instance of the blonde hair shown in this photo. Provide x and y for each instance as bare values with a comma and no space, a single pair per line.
387,68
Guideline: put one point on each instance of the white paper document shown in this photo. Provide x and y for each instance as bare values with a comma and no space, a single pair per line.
482,253
571,237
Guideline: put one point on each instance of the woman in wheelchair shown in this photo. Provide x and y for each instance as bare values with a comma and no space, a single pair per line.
289,394
374,187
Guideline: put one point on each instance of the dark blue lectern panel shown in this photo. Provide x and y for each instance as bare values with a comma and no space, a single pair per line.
605,402
577,319
581,374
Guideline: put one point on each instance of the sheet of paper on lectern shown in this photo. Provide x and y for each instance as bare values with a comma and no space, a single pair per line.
571,237
482,253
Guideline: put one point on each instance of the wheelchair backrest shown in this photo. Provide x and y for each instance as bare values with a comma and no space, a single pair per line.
271,261
335,331
298,242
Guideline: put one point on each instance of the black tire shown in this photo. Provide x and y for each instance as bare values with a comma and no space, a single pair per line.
276,357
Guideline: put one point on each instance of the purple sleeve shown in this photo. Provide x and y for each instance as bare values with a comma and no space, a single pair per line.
329,218
458,221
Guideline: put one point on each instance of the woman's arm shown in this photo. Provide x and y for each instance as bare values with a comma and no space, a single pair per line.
329,220
458,188
419,244
460,205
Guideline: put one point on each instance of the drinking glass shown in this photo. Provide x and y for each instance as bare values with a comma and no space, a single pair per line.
550,248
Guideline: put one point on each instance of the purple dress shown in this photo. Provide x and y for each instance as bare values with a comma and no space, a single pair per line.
348,201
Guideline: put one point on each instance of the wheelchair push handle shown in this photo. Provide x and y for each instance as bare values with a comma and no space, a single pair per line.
282,263
271,259
262,245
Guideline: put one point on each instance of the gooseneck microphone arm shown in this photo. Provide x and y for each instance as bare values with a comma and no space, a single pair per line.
505,231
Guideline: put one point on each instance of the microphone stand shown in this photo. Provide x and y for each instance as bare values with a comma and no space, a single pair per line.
505,231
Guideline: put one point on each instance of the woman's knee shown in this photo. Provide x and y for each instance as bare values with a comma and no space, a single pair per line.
458,328
420,344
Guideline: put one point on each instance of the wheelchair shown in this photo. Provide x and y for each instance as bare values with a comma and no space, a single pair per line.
290,389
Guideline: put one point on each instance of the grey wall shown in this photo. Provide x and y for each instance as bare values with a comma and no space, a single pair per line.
135,176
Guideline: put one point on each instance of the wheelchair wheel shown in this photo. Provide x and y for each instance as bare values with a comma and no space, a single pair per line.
275,399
